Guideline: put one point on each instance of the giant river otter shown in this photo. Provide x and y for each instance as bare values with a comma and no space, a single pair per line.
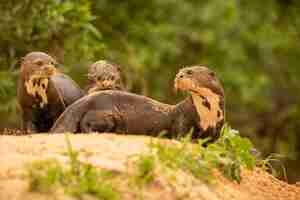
43,92
123,112
104,75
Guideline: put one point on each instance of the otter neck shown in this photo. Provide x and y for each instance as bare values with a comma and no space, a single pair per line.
209,106
185,106
185,109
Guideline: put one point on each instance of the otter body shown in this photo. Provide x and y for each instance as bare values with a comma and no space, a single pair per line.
123,112
43,93
66,88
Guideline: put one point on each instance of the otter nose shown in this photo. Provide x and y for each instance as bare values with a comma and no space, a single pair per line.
180,75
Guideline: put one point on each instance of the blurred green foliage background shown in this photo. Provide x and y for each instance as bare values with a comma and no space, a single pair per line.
252,45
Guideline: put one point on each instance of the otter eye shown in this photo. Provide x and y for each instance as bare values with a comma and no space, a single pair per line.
39,62
189,72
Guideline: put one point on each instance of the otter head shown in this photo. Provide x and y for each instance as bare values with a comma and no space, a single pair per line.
36,68
104,75
207,94
37,63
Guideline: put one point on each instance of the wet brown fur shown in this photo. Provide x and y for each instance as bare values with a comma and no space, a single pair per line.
123,112
43,92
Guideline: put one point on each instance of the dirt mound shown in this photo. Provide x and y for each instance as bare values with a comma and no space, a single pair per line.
112,152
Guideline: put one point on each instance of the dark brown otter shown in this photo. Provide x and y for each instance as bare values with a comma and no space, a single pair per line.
104,75
123,112
43,92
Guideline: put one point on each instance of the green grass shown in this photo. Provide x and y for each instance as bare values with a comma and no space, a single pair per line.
145,165
228,154
76,178
44,175
268,164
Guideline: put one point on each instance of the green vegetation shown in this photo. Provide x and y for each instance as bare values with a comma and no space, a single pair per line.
228,154
44,175
269,163
77,179
145,169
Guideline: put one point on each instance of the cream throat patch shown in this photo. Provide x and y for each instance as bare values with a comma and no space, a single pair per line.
207,104
37,86
103,85
37,83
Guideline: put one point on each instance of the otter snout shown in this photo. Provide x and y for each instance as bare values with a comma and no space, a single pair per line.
180,75
48,70
183,81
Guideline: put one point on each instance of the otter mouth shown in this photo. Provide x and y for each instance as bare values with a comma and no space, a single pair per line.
103,85
108,83
45,71
185,84
37,84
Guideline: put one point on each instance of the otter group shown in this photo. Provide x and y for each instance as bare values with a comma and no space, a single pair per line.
50,101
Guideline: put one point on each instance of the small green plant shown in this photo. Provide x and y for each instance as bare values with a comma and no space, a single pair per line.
77,178
145,169
267,164
181,156
228,154
44,175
